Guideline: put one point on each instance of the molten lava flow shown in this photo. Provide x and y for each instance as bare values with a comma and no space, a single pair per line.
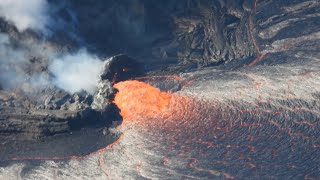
138,99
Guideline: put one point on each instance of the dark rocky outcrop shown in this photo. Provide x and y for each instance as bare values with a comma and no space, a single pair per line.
171,31
192,33
121,67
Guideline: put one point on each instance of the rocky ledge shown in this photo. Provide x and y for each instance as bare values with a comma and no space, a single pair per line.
55,123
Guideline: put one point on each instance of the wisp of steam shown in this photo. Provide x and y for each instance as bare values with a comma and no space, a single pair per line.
30,14
76,72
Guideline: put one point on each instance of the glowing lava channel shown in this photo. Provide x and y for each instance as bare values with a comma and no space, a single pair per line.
140,100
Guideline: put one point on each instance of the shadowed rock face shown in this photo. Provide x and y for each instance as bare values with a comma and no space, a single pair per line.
200,32
192,32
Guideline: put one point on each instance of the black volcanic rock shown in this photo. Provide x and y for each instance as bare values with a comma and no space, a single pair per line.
170,31
192,33
121,67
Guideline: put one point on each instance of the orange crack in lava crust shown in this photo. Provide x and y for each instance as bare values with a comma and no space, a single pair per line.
138,99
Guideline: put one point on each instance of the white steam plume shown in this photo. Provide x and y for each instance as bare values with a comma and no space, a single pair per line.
12,63
72,72
16,68
26,14
76,72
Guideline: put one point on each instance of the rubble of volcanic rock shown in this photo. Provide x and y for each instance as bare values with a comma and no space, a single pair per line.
54,111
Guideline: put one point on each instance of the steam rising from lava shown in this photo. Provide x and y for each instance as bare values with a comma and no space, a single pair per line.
76,72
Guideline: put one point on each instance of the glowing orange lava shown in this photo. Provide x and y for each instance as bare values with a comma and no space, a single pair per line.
138,99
